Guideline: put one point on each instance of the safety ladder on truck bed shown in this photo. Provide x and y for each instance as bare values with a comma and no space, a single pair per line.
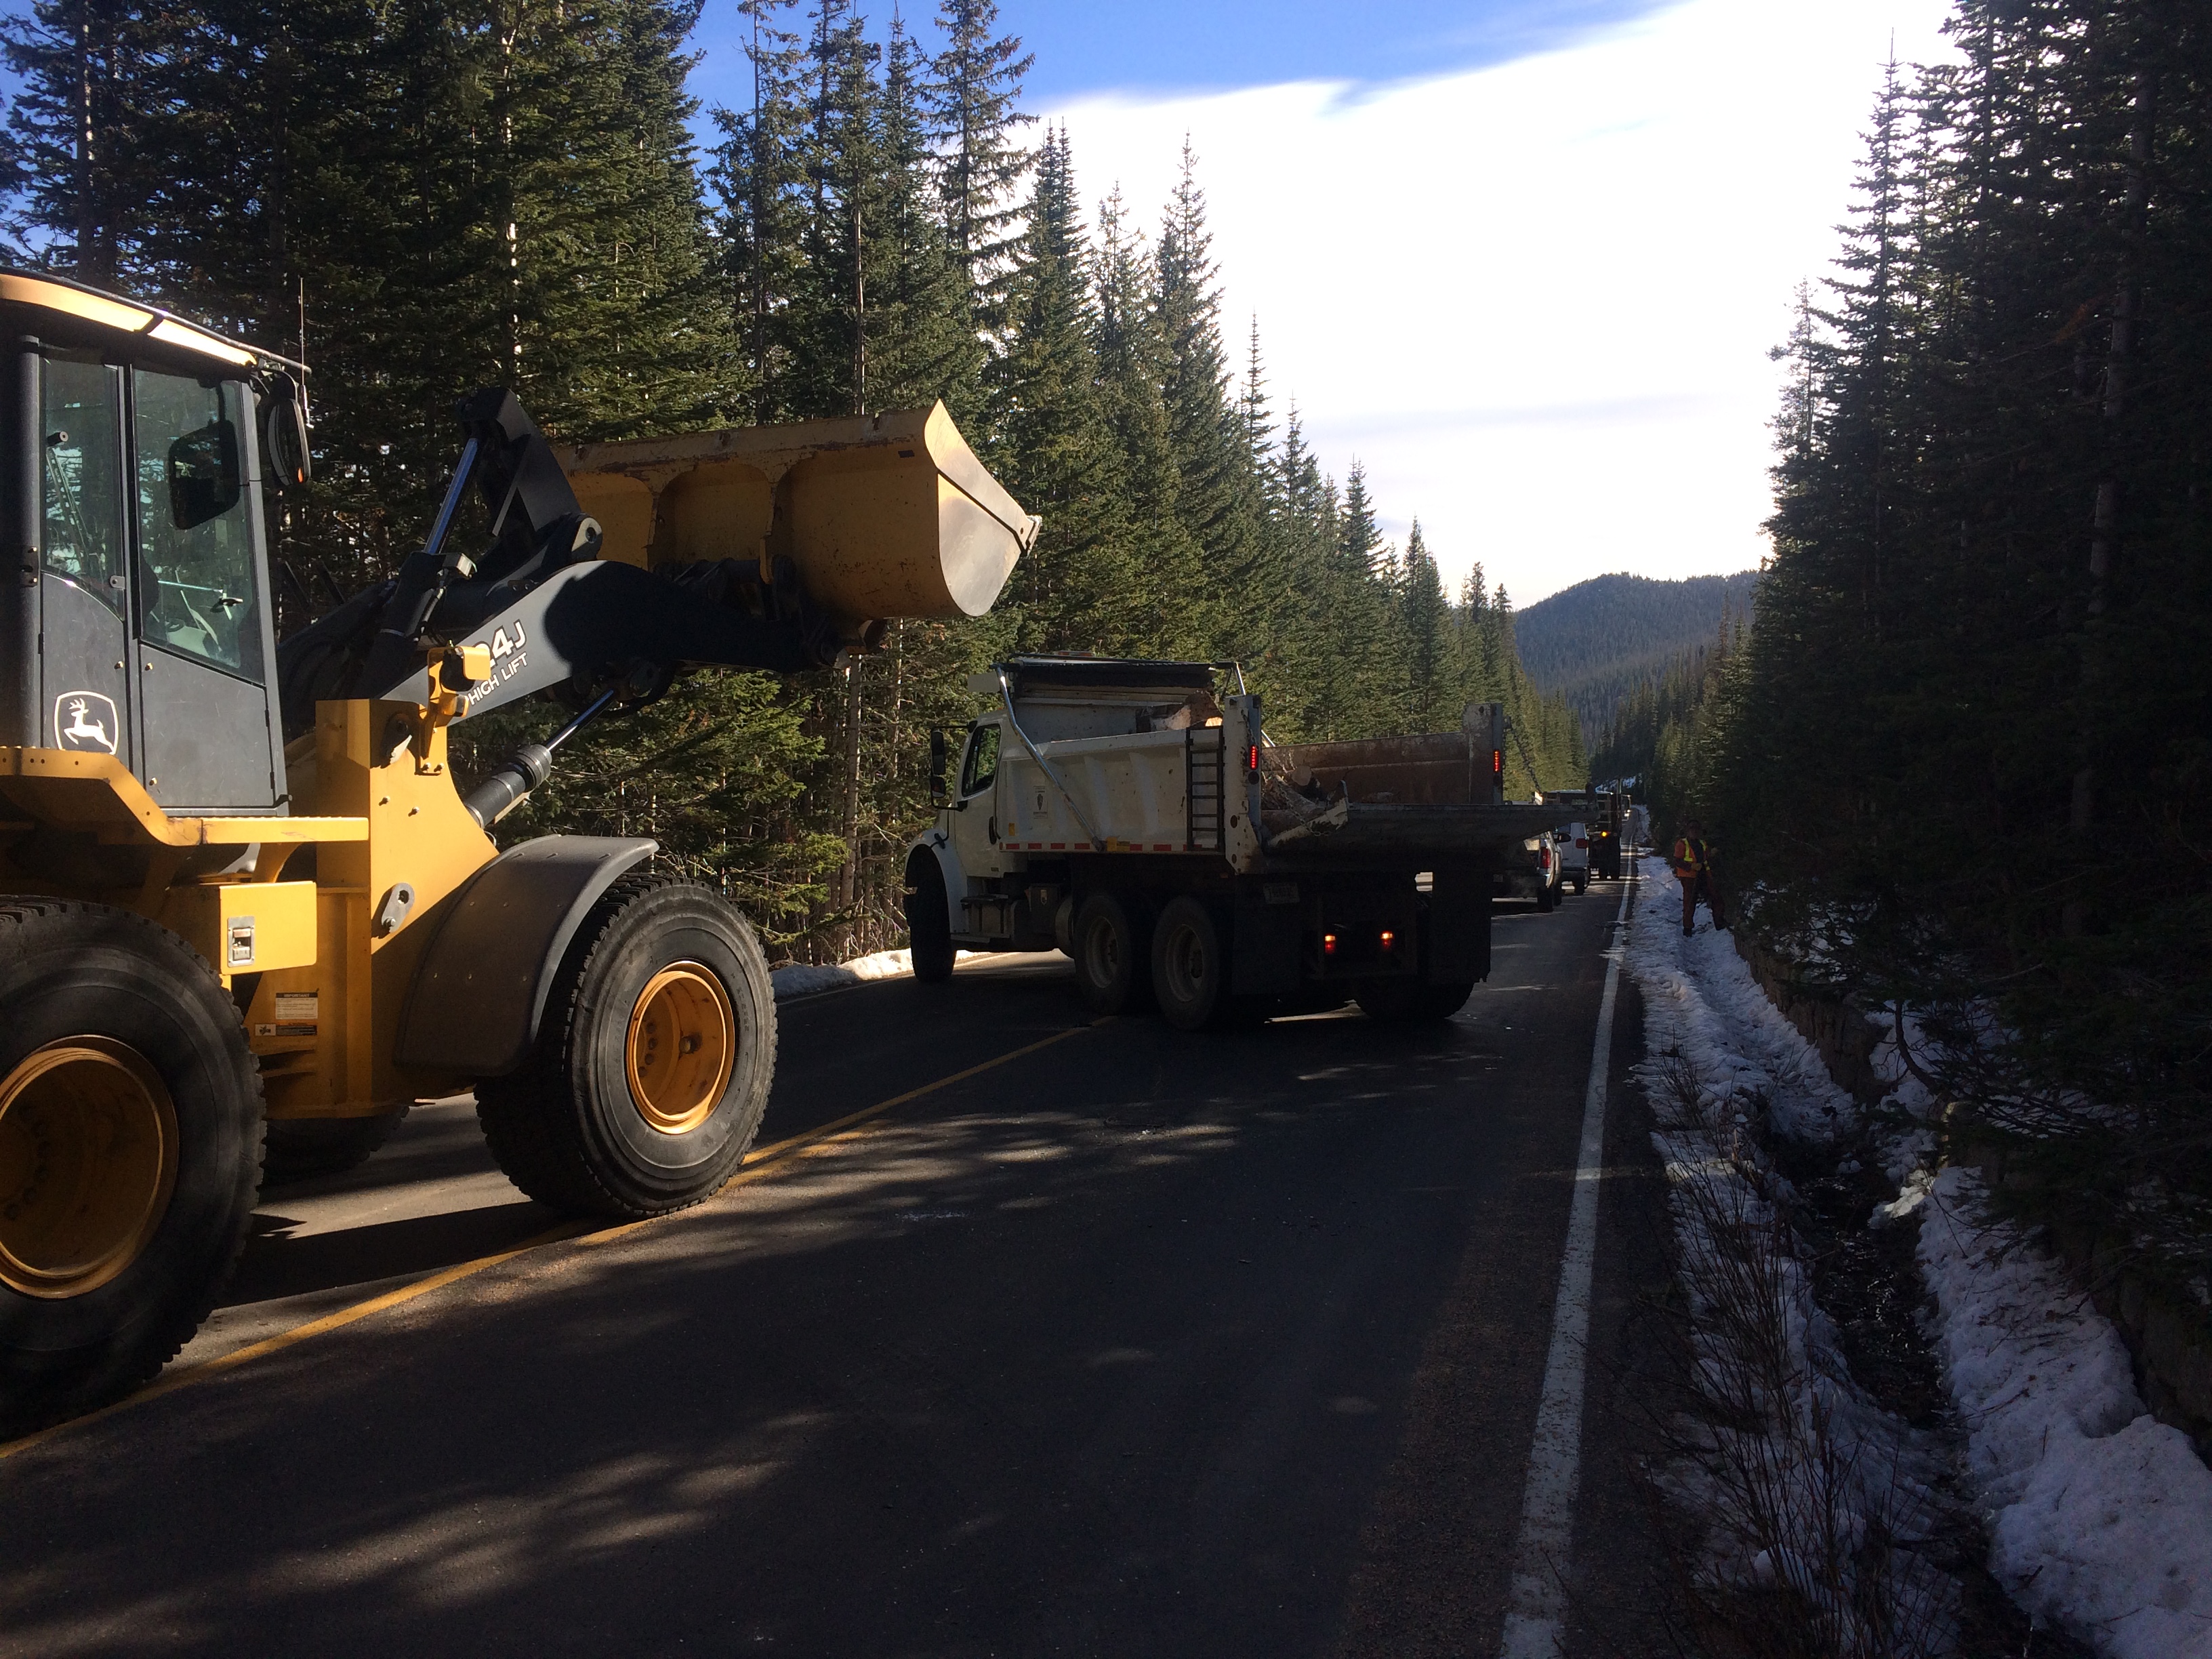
1205,792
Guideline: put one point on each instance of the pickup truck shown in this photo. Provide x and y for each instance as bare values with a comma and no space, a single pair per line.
1136,815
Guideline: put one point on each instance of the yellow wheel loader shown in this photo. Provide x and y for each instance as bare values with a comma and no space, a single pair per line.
240,892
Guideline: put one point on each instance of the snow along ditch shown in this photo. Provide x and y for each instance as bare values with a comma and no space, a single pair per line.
2099,1518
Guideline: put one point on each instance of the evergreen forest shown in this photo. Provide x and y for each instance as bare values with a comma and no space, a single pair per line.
1611,638
1963,760
421,197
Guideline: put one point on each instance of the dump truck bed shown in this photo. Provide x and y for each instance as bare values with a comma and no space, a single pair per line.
1153,770
1384,800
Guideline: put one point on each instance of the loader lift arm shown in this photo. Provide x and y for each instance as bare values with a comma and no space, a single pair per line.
551,614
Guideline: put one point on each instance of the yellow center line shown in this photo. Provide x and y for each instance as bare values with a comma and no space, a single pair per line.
757,1165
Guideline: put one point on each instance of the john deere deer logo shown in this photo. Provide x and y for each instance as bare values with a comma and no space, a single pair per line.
88,720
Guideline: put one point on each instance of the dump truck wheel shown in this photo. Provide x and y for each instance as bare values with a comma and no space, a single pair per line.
1410,1001
1112,958
130,1152
651,1068
1190,967
299,1149
928,920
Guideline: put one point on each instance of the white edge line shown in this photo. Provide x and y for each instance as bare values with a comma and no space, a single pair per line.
1536,1604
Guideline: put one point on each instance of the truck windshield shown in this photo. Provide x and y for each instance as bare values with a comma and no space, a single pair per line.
197,591
980,770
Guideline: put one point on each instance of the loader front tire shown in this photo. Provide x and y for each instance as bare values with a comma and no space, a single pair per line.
652,1066
130,1152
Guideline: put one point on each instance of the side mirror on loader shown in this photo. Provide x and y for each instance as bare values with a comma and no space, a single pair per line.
939,793
284,429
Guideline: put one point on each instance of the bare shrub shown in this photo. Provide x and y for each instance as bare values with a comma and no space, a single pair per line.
1803,1510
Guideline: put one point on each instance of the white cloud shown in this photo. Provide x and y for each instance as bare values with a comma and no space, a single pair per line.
1536,300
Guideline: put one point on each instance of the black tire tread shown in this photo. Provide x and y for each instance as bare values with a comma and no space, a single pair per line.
302,1149
929,946
20,915
543,1152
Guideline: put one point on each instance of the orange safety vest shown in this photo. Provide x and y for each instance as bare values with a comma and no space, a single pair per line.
1690,859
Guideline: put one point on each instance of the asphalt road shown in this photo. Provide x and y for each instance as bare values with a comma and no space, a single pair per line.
1135,1343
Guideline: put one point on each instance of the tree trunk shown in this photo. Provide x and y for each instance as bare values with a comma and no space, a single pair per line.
2105,513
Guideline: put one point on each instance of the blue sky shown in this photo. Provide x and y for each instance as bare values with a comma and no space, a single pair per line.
1184,46
1522,262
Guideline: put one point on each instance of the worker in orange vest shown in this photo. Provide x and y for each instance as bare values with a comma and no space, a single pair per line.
1692,862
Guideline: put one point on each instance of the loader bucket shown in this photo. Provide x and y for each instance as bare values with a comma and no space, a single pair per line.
884,516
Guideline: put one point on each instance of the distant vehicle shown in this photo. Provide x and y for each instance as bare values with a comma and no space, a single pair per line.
1534,875
1637,832
1608,833
1574,845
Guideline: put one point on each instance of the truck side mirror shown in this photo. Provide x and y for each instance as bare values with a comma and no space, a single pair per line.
284,424
939,793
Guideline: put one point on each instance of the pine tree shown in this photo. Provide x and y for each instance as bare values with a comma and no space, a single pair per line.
1168,564
923,346
1214,498
972,98
1048,426
1425,628
827,324
758,179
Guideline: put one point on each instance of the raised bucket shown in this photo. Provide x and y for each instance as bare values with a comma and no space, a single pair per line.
884,516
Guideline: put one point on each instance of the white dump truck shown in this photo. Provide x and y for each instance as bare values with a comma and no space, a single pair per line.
1133,814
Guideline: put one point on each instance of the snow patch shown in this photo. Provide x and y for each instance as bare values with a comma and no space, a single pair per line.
1718,1019
1796,1475
802,979
2101,1517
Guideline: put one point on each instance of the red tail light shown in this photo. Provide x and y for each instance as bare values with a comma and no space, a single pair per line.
1329,945
1252,759
1581,841
1389,938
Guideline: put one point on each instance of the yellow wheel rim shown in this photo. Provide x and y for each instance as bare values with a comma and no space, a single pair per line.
87,1161
683,1046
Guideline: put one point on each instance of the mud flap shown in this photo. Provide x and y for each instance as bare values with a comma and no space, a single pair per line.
1458,949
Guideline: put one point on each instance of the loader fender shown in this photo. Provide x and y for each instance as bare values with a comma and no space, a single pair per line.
480,991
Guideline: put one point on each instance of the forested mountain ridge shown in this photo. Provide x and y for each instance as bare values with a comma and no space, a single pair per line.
429,195
1594,643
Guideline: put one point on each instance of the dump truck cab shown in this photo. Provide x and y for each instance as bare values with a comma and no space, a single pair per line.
140,624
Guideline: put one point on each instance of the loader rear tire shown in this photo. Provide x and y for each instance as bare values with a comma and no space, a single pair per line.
928,920
1113,954
303,1148
651,1068
130,1152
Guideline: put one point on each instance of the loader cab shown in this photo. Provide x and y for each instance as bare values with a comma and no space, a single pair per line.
140,624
